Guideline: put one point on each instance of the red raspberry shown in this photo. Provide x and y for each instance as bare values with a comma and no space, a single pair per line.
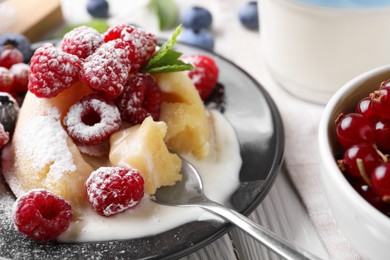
81,41
142,43
111,190
52,71
21,72
9,56
205,74
115,32
92,120
6,80
41,215
140,99
107,69
4,136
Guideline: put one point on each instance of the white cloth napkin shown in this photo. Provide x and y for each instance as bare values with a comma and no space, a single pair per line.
301,122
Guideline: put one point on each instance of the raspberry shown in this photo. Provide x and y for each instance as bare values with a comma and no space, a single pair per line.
205,74
141,42
115,32
6,80
107,69
140,99
9,56
4,136
92,120
81,41
52,71
21,72
111,190
41,215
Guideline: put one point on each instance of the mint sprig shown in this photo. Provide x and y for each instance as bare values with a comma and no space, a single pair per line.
166,59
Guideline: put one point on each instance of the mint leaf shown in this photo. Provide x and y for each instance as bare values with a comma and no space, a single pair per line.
166,59
166,11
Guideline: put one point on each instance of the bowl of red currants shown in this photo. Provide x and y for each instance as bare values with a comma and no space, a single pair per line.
354,144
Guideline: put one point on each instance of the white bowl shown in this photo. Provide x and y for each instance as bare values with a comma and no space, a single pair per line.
365,227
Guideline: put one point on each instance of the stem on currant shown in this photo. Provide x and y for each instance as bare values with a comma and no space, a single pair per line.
362,171
383,156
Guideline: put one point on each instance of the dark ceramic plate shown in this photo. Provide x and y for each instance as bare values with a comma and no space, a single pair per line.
259,128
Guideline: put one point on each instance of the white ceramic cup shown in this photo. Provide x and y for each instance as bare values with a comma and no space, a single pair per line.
313,49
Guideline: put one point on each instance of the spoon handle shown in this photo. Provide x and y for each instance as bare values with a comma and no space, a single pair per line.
264,236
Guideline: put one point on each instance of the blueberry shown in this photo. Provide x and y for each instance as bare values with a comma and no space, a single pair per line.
249,15
9,109
20,42
201,38
196,18
98,8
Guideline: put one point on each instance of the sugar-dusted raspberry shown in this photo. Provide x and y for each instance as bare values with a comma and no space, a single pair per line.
112,190
205,74
41,215
92,120
6,80
141,42
107,69
4,136
140,99
115,32
81,41
21,72
52,71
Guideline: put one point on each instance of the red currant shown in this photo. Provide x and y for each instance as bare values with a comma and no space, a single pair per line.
369,195
354,128
9,56
380,180
382,134
365,108
367,153
381,102
21,71
6,80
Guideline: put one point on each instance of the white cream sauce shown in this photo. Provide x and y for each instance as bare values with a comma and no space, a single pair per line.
220,175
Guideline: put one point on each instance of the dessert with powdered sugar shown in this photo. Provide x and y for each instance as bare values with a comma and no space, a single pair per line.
99,132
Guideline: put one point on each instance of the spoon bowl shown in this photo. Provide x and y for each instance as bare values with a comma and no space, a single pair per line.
189,192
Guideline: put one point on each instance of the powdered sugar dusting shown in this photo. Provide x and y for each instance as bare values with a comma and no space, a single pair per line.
114,189
92,134
144,45
107,69
82,41
51,70
44,140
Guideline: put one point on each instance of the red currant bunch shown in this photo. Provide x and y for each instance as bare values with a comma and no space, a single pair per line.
364,136
13,72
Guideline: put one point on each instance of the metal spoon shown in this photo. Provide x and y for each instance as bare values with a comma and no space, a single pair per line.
189,192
